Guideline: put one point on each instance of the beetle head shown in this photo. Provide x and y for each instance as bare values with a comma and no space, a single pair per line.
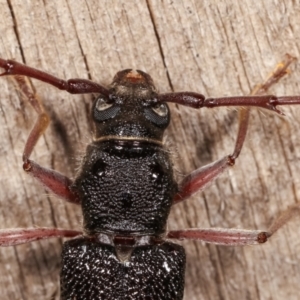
131,108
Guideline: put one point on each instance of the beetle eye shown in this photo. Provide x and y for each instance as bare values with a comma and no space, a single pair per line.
102,104
159,114
161,109
104,110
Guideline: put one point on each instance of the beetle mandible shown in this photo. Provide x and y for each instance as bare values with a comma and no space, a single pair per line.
126,187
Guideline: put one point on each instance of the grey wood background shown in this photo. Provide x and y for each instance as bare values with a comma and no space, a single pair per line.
213,47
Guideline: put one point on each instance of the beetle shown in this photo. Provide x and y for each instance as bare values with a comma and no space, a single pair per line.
126,187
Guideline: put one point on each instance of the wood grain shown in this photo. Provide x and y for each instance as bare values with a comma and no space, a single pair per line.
213,47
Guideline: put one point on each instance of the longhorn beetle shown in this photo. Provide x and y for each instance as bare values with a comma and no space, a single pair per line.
126,187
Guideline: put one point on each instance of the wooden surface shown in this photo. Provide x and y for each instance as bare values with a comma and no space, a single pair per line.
218,48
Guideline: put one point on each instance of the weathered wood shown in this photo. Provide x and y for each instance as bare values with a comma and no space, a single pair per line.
212,47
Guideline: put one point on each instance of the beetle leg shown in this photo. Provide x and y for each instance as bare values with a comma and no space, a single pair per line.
221,236
17,236
199,178
235,237
52,180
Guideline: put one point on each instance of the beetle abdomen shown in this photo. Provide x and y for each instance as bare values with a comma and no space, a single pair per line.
91,270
